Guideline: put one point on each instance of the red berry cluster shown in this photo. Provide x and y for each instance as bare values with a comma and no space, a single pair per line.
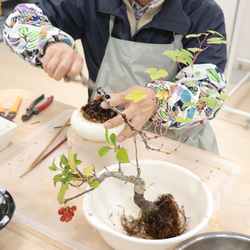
66,213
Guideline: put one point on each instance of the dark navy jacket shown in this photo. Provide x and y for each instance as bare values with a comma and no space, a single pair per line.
88,20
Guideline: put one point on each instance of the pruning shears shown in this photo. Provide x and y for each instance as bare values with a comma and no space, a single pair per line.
33,110
84,80
12,111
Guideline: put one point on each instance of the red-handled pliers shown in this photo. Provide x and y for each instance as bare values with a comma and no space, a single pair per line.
33,110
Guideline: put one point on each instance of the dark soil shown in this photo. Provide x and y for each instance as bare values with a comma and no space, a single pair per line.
93,111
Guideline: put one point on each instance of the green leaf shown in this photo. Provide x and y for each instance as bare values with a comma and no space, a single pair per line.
181,56
103,150
63,161
95,184
57,178
78,162
67,176
53,168
62,192
172,54
224,97
209,101
113,138
215,33
91,180
194,50
217,40
122,155
136,95
156,74
87,170
67,168
108,137
151,70
196,35
71,160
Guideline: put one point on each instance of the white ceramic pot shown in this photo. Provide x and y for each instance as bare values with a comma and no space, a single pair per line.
103,206
7,129
90,130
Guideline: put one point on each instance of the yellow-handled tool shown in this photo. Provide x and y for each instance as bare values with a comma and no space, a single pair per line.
12,111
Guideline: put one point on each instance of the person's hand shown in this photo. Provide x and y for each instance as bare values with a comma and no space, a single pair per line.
137,113
61,60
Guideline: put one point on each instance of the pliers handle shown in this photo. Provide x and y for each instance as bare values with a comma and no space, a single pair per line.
33,110
12,111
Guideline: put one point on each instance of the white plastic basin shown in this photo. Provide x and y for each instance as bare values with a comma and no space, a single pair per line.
102,206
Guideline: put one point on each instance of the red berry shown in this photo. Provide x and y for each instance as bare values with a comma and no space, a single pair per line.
61,211
62,218
67,215
67,219
73,208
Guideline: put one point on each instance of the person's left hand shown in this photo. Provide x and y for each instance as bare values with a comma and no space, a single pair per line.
138,113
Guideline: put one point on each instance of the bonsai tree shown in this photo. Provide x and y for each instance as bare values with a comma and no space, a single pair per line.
158,219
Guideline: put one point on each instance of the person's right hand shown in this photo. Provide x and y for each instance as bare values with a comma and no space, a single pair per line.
137,113
61,60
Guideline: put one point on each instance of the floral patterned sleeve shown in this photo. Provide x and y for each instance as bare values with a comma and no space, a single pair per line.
28,32
184,102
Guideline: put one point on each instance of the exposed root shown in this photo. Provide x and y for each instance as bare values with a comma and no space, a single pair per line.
169,221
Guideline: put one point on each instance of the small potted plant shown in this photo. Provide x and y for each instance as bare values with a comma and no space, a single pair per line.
87,122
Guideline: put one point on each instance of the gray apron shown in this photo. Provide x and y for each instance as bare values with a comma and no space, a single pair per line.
124,66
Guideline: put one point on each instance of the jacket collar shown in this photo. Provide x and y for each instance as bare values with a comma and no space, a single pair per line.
172,16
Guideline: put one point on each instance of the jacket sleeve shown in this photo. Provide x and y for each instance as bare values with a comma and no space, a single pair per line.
28,32
186,102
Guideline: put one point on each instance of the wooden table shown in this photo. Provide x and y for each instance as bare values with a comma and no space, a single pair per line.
30,228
